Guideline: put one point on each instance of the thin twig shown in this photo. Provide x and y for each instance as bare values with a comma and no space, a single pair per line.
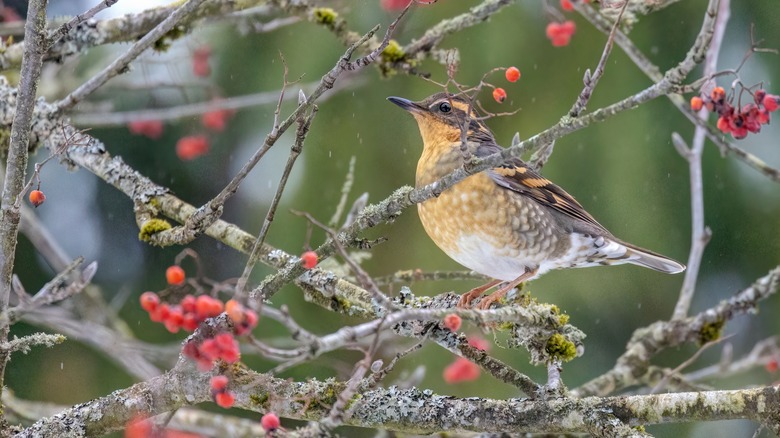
63,30
304,123
591,80
700,234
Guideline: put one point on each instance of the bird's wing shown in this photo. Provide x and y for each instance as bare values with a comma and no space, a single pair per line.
517,176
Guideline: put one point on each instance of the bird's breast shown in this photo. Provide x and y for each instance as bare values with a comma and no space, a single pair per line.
489,229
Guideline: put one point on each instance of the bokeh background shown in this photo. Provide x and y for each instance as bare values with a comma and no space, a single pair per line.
624,171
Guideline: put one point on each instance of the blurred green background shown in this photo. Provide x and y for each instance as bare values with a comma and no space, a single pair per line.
625,172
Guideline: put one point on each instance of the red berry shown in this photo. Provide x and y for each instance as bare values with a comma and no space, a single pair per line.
161,313
219,383
479,343
225,399
759,96
763,116
200,62
139,428
37,198
770,102
188,304
270,422
215,120
566,5
207,307
149,128
553,30
452,322
189,322
462,370
568,27
723,124
772,365
228,347
309,259
174,320
209,349
191,147
149,301
394,5
499,95
175,275
512,74
696,103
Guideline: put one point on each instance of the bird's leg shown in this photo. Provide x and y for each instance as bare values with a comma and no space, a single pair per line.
485,303
468,297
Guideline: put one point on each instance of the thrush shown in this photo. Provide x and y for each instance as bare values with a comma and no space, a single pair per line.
508,223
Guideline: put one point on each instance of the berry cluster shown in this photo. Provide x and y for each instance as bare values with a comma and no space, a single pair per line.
222,346
220,393
187,315
560,33
733,120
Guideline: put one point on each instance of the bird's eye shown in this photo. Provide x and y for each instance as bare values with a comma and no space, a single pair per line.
445,107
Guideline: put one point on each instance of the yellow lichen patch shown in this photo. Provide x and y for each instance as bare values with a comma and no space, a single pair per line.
393,52
152,227
558,347
711,331
326,16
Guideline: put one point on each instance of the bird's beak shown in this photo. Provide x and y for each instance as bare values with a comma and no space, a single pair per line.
405,104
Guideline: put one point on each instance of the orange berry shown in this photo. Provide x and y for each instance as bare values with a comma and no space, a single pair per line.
235,311
499,95
37,198
175,275
452,322
696,103
512,74
717,94
309,259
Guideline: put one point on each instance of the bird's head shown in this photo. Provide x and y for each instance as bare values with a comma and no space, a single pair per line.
441,119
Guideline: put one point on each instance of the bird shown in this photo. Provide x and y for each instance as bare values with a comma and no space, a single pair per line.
508,222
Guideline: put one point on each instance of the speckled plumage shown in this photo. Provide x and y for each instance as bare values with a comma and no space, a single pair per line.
508,223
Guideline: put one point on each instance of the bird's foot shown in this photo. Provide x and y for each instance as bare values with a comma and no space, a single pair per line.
468,297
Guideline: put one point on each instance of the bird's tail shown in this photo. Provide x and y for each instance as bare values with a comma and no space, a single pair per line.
649,259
